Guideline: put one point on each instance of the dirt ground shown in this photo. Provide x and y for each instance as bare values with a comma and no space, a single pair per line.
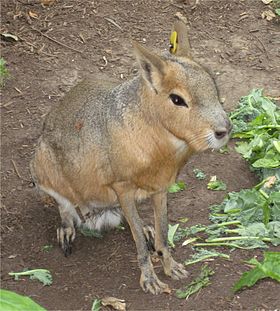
60,44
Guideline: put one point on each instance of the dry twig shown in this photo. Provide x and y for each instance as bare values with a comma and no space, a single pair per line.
57,42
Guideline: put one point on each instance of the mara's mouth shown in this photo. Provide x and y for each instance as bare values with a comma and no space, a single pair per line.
216,142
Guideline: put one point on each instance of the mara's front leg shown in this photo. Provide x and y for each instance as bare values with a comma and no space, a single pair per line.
170,266
148,280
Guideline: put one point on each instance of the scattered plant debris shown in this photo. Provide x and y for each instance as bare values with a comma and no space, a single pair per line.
199,282
42,275
199,174
176,187
216,185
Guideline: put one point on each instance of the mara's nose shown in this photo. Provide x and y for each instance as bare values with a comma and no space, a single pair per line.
222,132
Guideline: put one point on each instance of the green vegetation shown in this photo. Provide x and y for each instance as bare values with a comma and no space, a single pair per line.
257,123
276,5
171,234
90,233
250,218
10,301
176,187
96,305
269,268
204,254
216,185
42,275
199,174
194,286
3,71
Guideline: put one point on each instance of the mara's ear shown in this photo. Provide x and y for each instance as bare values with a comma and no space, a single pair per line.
181,40
152,66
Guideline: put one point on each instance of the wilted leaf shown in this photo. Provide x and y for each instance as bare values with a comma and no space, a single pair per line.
9,37
115,303
33,14
270,182
268,15
266,1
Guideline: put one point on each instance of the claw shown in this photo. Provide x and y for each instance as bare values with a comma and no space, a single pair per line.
152,284
177,271
65,237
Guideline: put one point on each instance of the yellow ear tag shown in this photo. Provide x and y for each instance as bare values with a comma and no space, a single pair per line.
173,42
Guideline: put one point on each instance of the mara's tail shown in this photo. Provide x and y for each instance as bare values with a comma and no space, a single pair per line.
105,219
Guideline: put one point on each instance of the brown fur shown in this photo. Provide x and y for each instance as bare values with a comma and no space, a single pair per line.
108,144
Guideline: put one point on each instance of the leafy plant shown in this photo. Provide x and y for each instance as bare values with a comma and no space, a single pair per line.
203,254
269,268
11,301
3,71
257,122
224,149
215,184
42,275
199,174
276,5
199,282
171,233
176,187
90,233
96,305
47,248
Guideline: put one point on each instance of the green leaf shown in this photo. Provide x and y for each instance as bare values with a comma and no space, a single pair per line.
199,174
249,279
176,187
47,248
224,150
216,185
96,305
90,233
203,254
270,267
42,275
277,11
171,233
10,301
199,282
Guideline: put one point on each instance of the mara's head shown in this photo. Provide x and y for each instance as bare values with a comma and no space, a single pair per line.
182,96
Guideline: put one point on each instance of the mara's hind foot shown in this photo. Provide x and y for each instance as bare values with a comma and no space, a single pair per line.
150,283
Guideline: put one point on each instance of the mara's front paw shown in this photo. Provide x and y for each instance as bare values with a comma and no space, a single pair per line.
151,283
65,237
176,271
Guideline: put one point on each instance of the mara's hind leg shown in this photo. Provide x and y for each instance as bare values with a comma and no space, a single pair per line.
66,233
149,232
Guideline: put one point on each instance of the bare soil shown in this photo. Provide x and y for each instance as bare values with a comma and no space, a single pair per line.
62,44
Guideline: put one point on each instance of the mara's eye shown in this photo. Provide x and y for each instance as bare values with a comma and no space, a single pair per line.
177,100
